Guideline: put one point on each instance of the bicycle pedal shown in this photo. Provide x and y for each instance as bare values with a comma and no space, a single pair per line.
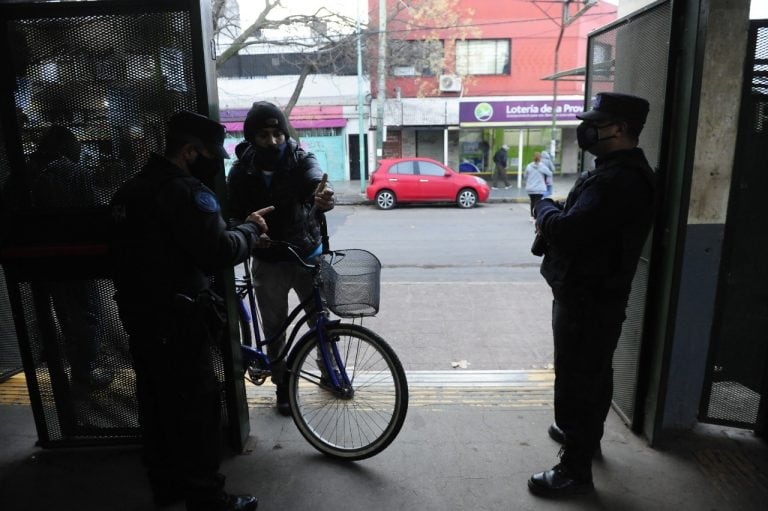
258,376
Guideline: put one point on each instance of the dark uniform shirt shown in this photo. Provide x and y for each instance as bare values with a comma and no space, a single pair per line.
290,190
169,235
595,240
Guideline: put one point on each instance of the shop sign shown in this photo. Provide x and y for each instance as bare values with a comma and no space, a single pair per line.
519,111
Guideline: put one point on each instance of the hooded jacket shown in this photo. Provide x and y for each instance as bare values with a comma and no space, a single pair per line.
291,191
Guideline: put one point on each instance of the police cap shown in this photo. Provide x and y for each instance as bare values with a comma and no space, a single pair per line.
613,106
197,129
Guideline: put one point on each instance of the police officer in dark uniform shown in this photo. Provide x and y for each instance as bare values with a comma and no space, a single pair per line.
169,236
592,244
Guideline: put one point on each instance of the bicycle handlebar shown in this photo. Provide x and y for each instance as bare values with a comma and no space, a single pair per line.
290,247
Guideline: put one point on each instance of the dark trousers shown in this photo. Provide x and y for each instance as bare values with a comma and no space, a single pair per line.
179,404
586,332
535,198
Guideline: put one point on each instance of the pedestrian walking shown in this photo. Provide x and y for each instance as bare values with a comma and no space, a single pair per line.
592,246
536,174
546,159
500,172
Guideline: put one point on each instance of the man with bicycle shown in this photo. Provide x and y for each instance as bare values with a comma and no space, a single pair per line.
272,170
168,237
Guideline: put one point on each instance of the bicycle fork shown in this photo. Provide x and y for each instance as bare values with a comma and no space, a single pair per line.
335,376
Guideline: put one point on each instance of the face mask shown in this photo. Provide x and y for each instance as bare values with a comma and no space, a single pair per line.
269,157
203,168
587,136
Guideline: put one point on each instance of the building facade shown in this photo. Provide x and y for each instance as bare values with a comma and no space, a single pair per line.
488,74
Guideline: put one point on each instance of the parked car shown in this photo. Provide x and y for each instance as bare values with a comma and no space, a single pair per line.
423,180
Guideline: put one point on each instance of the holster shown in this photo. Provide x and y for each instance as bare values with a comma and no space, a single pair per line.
206,311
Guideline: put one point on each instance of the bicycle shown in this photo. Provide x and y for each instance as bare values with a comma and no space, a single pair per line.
347,389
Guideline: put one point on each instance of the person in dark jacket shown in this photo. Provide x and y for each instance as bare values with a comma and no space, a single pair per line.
168,237
593,244
272,170
500,170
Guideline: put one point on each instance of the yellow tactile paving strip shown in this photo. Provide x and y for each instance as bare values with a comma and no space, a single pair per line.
531,389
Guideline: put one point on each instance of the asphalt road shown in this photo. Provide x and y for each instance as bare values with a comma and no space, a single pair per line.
489,243
458,286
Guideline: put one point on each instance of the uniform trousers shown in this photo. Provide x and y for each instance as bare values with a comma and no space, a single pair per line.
179,400
586,332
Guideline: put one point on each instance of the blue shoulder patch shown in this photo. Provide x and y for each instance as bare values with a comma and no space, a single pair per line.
206,202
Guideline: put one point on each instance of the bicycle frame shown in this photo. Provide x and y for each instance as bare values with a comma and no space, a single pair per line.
338,380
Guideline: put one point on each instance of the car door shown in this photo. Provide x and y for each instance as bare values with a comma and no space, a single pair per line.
403,180
434,185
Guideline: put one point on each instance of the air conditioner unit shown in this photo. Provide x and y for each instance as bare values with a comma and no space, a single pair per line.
450,83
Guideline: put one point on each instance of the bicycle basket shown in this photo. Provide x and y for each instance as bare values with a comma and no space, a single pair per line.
351,282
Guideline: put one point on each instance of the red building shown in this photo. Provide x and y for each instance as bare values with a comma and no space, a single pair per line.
463,72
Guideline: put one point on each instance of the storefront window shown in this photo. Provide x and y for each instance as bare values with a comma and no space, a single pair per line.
477,146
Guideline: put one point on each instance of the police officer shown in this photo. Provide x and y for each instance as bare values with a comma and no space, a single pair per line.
593,243
169,236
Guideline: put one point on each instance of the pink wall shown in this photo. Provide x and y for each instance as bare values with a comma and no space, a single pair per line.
533,28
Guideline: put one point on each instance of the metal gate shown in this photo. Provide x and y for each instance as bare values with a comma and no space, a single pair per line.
736,382
631,56
109,73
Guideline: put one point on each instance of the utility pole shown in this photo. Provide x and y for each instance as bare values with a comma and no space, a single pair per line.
360,115
381,92
566,20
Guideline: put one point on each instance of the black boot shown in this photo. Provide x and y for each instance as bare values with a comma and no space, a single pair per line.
560,482
283,406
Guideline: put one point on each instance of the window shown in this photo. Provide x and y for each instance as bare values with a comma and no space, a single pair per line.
482,57
405,167
430,169
415,58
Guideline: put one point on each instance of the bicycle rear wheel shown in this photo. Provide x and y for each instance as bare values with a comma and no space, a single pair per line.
359,424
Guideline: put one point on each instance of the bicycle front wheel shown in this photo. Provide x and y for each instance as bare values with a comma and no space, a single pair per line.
362,422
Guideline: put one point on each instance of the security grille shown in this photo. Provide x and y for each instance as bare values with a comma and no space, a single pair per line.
736,383
630,56
108,73
10,358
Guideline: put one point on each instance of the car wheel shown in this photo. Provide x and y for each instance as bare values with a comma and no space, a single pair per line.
467,198
386,199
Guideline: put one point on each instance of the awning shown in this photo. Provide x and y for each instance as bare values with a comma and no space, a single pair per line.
237,126
579,73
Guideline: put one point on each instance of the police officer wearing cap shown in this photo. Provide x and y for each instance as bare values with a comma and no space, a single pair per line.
273,170
592,244
168,237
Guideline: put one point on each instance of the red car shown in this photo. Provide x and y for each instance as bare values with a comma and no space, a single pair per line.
423,180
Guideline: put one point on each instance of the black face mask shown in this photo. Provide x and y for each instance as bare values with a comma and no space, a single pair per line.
269,157
204,168
587,136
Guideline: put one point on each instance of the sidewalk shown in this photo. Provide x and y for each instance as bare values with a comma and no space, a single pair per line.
349,192
454,454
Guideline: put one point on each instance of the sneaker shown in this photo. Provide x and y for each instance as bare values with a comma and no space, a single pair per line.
494,188
507,187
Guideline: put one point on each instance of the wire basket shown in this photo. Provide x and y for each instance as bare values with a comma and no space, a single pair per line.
351,282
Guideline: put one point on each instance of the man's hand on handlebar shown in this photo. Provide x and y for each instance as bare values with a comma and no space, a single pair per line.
257,217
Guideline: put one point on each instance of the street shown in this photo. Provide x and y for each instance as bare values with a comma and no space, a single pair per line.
459,287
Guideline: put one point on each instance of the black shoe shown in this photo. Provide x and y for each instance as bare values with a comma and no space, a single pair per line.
558,482
225,502
556,434
283,406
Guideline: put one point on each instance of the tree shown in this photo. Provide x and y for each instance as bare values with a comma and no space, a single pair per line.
327,41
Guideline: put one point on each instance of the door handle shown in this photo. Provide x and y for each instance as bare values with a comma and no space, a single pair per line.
423,180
